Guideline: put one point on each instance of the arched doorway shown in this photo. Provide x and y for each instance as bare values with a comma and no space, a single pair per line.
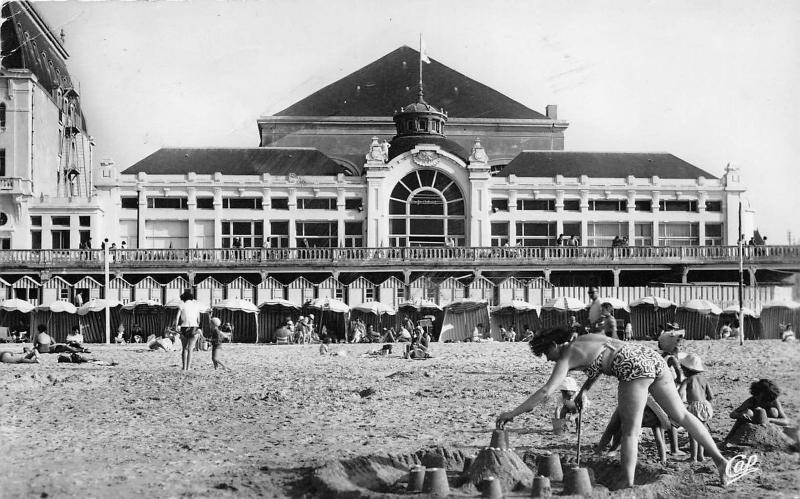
426,208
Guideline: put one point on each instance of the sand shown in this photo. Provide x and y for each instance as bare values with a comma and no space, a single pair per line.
143,428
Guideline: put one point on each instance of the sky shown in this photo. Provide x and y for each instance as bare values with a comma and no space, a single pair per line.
712,82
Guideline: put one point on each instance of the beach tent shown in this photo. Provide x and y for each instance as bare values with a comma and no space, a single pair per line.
556,311
515,313
92,318
649,315
58,316
272,314
419,309
148,314
461,317
375,314
752,324
242,315
698,318
331,313
778,312
16,313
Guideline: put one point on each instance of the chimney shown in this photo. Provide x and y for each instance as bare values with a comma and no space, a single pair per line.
552,111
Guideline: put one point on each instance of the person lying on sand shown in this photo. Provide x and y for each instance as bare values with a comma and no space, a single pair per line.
29,356
639,369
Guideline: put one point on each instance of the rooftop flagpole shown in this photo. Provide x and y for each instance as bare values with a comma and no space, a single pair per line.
421,48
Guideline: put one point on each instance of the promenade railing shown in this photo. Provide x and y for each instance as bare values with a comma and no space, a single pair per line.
533,255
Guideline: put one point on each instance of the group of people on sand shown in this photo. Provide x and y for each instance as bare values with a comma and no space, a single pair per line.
43,343
665,390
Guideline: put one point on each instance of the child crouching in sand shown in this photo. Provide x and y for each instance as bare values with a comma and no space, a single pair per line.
216,337
697,394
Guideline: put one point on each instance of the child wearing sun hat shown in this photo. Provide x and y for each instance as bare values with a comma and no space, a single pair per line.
696,392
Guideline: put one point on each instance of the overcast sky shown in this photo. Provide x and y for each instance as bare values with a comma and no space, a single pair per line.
712,82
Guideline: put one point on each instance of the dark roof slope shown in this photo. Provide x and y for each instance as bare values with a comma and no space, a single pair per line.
251,161
391,82
600,164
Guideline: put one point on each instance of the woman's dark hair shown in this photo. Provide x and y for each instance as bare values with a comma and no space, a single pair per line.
41,328
187,295
766,388
543,339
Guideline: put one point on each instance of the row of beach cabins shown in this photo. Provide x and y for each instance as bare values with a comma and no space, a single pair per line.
455,321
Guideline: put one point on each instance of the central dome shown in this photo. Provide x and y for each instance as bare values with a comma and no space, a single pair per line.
420,118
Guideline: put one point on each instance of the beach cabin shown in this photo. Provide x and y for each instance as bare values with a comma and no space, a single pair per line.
55,289
451,290
539,291
424,288
147,289
27,289
87,289
175,288
392,292
331,288
270,289
5,289
210,291
481,288
120,290
300,291
361,291
512,289
240,289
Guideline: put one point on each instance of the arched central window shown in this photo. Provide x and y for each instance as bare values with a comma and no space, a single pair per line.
426,208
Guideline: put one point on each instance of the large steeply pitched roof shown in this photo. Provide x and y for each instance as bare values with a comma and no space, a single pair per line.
251,161
383,86
600,164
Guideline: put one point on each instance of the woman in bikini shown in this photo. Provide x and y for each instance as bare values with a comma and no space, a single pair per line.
640,370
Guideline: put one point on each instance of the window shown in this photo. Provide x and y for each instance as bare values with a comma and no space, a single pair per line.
572,229
250,233
713,205
713,234
85,221
607,205
643,205
317,235
84,237
338,293
63,294
60,238
499,233
36,221
130,202
205,203
572,205
279,234
399,294
60,221
353,204
369,294
536,234
242,203
423,125
536,204
2,114
280,203
316,204
5,243
172,203
677,205
499,205
2,162
603,233
353,235
36,239
678,234
643,234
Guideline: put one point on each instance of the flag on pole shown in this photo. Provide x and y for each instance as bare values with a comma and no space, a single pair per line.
423,53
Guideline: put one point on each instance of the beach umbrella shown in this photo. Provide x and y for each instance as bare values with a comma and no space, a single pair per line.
243,316
517,313
272,314
16,305
332,314
752,324
698,318
615,302
92,319
374,307
778,312
556,311
16,314
419,305
649,315
461,317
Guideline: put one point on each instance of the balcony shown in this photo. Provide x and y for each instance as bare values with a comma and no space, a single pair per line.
386,259
15,185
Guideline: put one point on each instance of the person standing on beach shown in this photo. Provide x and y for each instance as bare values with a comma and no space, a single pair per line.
189,322
595,311
216,338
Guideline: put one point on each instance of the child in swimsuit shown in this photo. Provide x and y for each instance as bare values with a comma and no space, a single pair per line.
697,394
216,339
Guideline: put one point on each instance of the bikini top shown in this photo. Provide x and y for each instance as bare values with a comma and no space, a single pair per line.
595,369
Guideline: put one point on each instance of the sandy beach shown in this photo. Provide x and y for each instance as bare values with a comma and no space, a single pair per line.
143,428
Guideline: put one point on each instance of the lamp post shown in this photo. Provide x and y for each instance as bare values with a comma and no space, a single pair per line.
105,275
741,275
